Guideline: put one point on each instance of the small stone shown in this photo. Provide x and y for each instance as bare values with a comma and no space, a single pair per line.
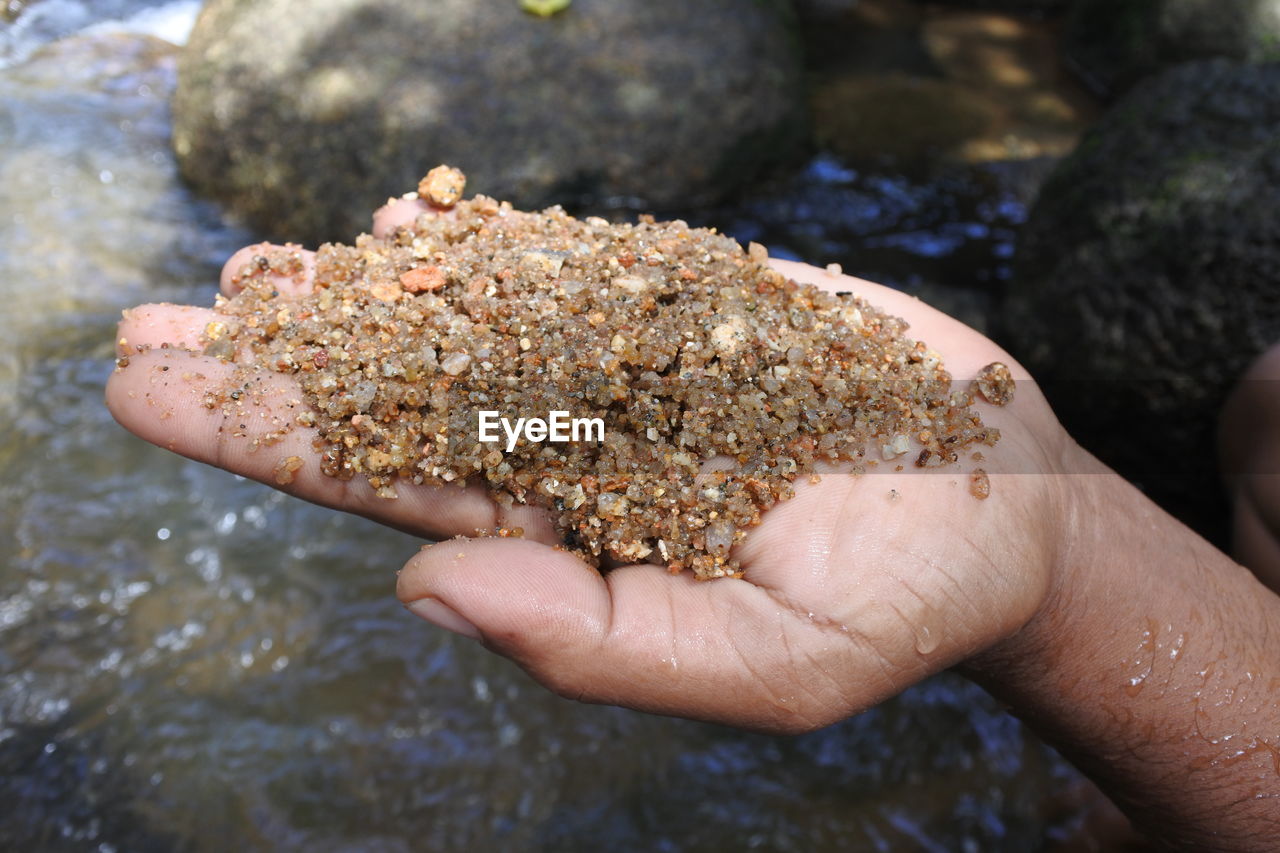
612,505
221,348
286,468
454,363
387,291
979,484
423,279
995,384
719,538
541,261
897,446
630,284
363,394
727,337
442,186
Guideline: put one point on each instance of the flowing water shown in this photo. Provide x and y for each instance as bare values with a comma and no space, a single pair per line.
190,661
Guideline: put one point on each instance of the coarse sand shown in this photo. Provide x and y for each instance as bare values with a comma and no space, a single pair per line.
718,380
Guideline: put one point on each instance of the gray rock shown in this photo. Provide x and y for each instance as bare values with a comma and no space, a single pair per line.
304,116
1115,43
1148,273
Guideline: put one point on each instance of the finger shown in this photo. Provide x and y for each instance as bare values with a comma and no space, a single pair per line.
397,212
641,637
161,397
289,268
185,327
161,324
403,212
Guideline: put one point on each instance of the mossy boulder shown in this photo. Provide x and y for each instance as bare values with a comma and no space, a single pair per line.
1115,43
1148,274
304,116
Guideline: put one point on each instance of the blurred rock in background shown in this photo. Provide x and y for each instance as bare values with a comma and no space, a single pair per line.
1115,43
1148,274
914,85
303,117
936,126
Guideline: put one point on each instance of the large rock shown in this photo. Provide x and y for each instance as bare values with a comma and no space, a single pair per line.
304,116
1115,43
1148,273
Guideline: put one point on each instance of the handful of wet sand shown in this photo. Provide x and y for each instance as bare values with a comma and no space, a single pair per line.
692,384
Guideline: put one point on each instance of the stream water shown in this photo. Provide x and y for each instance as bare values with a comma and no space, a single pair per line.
189,661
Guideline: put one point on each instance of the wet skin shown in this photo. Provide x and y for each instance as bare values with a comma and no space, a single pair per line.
1148,656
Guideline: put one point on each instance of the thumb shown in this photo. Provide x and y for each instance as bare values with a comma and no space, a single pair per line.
638,636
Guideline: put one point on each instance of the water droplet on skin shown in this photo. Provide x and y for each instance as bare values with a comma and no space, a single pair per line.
926,640
1144,659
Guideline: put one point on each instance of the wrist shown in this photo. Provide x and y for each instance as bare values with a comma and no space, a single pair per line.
1150,664
1075,495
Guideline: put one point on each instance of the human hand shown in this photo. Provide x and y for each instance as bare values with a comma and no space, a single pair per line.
854,589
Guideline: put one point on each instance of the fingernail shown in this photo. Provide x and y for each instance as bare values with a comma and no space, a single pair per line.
443,616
